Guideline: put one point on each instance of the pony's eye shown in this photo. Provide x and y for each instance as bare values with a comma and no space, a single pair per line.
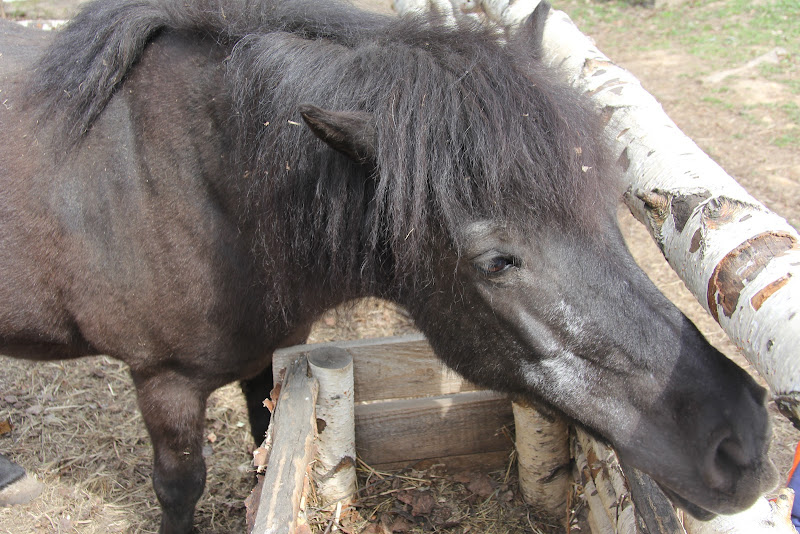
498,264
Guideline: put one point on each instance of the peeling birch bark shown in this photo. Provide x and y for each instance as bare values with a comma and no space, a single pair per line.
335,468
600,521
762,518
612,489
542,444
739,259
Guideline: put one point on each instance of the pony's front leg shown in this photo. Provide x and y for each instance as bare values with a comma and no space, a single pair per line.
173,409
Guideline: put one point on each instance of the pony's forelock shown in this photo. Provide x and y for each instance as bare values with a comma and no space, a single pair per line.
467,127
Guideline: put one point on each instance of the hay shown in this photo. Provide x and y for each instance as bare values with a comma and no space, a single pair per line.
432,500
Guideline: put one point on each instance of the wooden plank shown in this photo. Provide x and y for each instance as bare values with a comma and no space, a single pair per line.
293,429
482,462
388,368
408,430
652,506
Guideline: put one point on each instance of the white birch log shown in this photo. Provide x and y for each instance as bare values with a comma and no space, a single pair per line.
739,259
335,468
762,518
542,444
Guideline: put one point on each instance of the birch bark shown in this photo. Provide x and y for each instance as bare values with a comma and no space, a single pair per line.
542,443
335,468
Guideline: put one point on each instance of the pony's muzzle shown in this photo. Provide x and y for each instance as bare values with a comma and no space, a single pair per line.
736,461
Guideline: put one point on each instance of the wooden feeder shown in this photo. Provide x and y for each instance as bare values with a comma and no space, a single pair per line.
391,402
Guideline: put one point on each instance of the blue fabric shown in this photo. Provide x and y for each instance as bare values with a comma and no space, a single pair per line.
794,483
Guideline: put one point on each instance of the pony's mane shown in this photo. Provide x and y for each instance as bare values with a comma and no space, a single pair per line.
467,125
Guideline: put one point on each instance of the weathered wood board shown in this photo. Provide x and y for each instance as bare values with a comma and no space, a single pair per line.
292,432
409,430
409,407
388,368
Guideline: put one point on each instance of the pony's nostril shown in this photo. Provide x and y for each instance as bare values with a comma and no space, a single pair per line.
731,452
723,464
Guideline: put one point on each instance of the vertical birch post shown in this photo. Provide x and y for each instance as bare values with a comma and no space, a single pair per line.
542,444
335,468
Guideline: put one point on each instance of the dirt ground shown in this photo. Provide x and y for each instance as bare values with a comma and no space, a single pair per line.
75,424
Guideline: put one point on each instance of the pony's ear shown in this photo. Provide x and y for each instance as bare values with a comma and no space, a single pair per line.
531,32
350,132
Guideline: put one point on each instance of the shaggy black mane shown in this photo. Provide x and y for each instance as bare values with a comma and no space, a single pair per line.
467,125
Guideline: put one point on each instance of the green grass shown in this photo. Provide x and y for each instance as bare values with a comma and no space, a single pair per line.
729,31
721,34
725,31
39,9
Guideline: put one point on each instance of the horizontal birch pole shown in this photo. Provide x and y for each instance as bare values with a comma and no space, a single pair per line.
739,259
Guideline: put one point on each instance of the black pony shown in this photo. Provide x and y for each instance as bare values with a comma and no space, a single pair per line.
187,186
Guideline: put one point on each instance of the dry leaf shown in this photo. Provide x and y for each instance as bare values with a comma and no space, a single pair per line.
260,457
374,528
404,497
464,478
481,485
422,503
400,525
5,427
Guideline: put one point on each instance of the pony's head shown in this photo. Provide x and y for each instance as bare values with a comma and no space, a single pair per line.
491,191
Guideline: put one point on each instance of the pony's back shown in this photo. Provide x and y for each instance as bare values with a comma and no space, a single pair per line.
92,54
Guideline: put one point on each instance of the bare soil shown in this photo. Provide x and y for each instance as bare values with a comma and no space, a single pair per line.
76,425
